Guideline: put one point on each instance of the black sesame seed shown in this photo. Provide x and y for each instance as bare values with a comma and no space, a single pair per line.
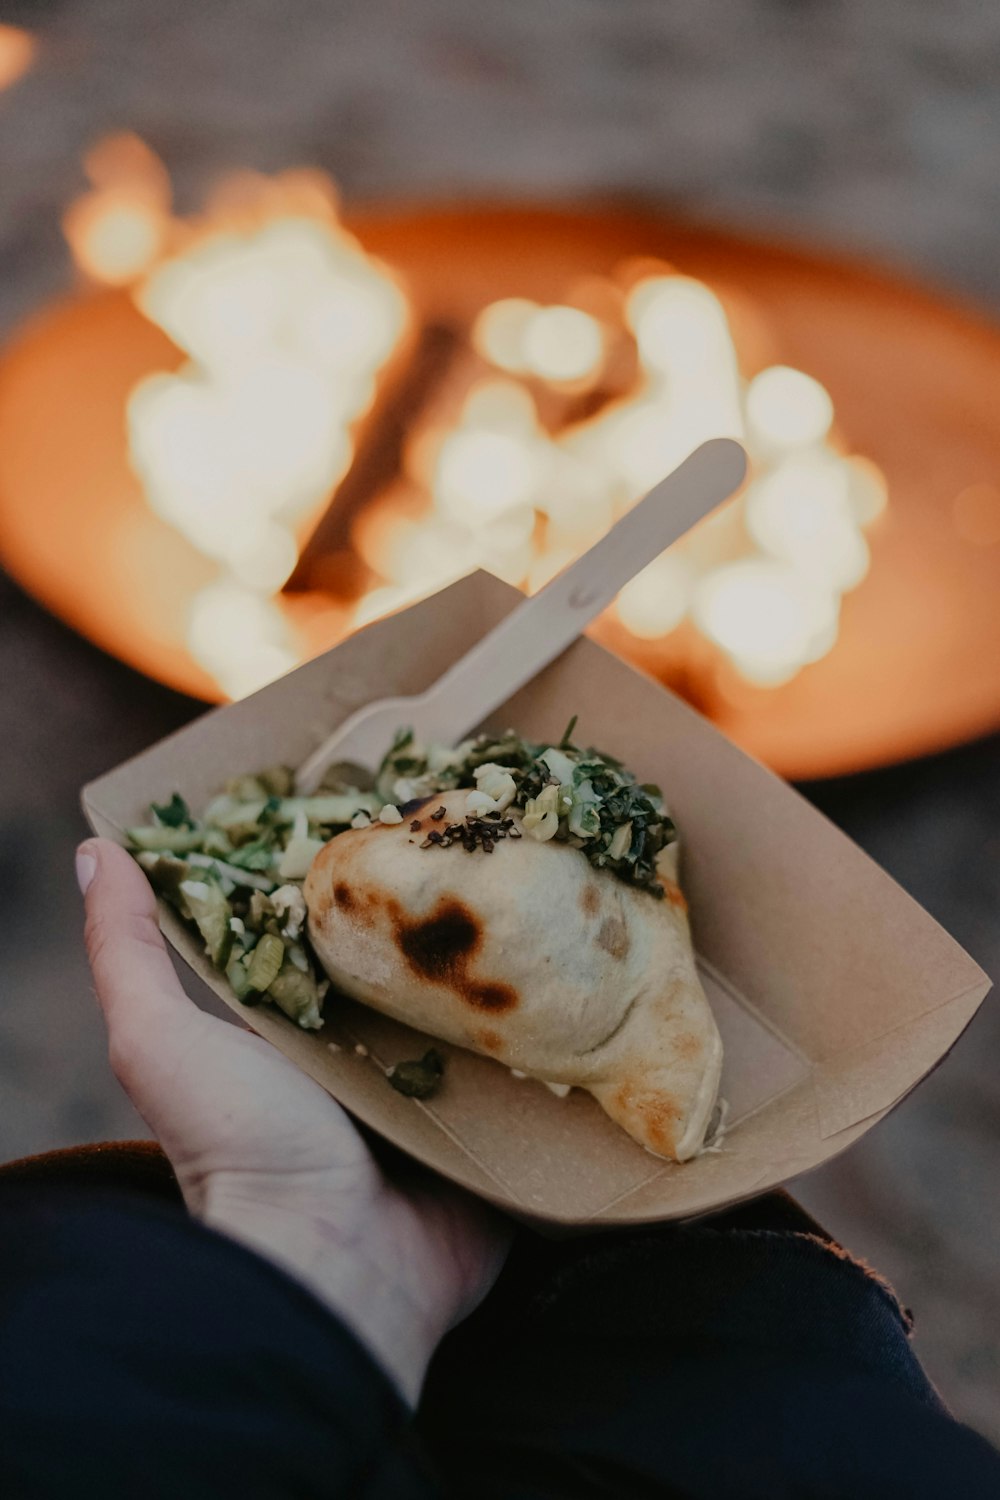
428,843
416,826
494,815
438,814
434,836
487,846
515,833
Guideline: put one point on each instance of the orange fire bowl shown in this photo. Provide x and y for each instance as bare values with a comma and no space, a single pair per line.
913,380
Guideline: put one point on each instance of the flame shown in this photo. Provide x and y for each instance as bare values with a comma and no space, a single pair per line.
486,469
657,599
499,331
118,229
286,326
800,513
763,579
766,617
240,637
787,409
563,345
17,53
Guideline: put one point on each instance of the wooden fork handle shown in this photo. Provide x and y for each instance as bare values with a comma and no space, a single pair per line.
541,628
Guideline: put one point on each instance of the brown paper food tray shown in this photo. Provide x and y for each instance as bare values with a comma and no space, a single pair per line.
835,992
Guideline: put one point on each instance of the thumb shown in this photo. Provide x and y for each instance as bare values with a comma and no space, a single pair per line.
145,1009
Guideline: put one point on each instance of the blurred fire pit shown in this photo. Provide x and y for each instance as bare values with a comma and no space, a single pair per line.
267,427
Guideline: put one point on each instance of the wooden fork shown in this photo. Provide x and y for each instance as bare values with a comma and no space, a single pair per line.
541,628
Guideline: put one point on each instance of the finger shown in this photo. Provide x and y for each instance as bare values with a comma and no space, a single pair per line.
138,991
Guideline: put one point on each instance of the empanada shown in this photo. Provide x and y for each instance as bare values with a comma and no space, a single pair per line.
530,956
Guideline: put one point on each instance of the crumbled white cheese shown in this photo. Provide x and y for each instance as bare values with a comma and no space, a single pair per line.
195,888
390,814
541,815
361,820
497,783
289,902
495,791
559,1089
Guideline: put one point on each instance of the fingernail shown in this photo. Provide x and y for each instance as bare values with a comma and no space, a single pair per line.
86,865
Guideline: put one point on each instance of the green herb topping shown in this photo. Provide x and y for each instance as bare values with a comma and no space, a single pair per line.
583,797
418,1079
173,814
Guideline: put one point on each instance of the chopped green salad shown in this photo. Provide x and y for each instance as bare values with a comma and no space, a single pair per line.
235,872
582,797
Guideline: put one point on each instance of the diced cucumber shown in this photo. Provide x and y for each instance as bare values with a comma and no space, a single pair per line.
259,910
239,978
246,789
212,913
160,839
329,808
257,854
220,867
297,994
217,843
275,781
265,962
231,813
166,874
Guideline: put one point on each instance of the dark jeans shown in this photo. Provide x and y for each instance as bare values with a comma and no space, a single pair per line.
744,1355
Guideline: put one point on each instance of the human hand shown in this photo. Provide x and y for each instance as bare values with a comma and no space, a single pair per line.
263,1154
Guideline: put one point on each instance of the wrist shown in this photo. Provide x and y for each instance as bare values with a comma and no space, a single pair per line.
335,1263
